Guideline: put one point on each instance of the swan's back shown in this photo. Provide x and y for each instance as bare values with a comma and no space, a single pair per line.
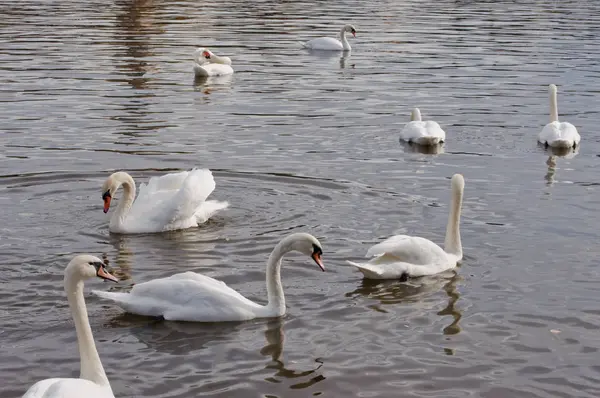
408,249
67,388
324,43
423,132
559,135
212,69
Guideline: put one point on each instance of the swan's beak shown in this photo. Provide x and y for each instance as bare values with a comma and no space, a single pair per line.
317,257
354,34
106,197
105,275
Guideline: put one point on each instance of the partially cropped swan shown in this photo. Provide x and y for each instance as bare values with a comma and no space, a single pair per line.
422,132
558,134
403,256
166,203
92,381
189,296
329,43
206,63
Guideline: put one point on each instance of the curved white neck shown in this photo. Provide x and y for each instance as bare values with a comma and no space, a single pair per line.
553,105
91,366
276,303
118,218
415,115
344,40
452,243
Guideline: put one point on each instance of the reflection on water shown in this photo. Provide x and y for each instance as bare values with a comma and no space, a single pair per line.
208,84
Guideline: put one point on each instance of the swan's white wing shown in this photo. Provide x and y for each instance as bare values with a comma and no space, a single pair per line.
67,388
559,134
423,133
212,69
185,297
324,43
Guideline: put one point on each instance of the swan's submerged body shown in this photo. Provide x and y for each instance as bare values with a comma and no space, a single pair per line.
170,202
558,134
193,297
426,133
331,44
206,64
92,382
403,256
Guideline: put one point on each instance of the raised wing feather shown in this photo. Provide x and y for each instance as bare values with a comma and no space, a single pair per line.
409,249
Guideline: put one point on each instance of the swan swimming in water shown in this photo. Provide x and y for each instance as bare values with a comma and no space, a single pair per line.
193,297
422,132
558,134
403,256
167,203
206,63
329,43
92,381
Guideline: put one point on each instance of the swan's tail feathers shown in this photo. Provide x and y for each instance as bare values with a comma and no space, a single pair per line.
428,140
368,271
209,209
119,298
561,144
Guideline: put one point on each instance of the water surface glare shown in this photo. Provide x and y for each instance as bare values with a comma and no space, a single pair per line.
302,141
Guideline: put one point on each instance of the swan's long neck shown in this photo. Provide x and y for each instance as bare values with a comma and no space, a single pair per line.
126,202
415,115
221,60
452,243
274,289
91,366
344,40
553,105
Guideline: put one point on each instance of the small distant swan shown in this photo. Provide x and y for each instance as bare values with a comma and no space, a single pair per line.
422,132
403,256
193,297
329,43
92,381
558,134
208,64
170,202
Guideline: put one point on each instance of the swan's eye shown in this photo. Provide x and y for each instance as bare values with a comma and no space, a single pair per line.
317,250
106,195
97,265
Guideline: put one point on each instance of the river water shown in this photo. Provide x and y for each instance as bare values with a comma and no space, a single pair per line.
299,141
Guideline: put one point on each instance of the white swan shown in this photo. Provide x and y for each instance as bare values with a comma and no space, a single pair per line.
558,134
189,296
92,381
422,132
170,202
329,43
208,64
403,256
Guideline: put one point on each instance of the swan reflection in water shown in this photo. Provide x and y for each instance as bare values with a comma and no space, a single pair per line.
413,292
424,149
274,348
552,161
208,84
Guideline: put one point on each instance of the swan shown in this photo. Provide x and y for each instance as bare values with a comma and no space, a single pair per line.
422,133
403,256
169,202
92,381
329,43
558,134
193,297
206,63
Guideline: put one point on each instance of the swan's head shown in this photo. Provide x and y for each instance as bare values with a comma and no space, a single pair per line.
350,29
458,182
308,245
111,185
415,115
85,266
552,89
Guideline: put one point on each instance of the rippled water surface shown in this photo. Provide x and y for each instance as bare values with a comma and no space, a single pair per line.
300,141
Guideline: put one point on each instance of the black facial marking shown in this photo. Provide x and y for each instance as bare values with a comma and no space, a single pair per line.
97,264
106,195
317,249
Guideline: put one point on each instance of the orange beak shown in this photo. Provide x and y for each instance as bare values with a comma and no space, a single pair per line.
317,257
206,54
107,199
105,275
354,34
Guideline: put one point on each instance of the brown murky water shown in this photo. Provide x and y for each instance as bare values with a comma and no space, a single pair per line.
306,142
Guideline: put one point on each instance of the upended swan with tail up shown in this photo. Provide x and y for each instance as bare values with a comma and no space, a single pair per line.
403,256
329,43
193,297
206,63
92,381
558,134
170,202
422,132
